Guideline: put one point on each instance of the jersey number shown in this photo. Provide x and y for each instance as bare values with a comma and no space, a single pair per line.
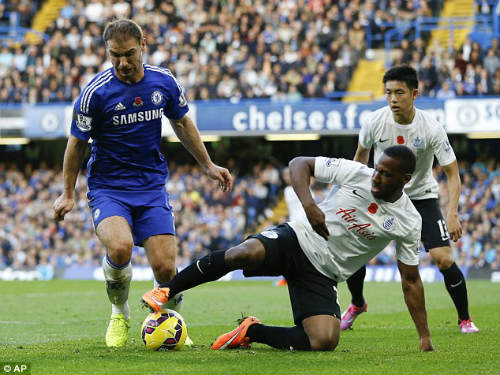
443,229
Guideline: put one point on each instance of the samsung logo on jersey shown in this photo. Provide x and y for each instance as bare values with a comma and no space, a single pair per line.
141,116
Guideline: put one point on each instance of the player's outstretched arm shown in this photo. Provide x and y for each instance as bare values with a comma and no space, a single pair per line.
301,170
453,182
188,134
362,154
73,158
414,297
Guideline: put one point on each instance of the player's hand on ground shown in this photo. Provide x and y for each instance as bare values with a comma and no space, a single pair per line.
222,175
454,227
426,344
316,218
62,206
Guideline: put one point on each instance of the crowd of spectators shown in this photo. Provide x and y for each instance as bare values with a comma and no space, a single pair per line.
446,74
18,13
208,219
285,50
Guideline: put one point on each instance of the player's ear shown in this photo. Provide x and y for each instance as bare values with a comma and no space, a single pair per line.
414,93
143,44
406,178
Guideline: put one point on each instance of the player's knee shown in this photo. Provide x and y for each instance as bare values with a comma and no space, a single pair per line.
164,271
442,257
324,341
443,262
444,265
120,251
244,255
238,256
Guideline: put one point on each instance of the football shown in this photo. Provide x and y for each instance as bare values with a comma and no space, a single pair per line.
164,330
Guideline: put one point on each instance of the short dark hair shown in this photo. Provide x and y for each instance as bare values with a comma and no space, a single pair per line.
122,29
402,73
405,156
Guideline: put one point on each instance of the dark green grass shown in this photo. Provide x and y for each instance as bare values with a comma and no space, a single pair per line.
59,327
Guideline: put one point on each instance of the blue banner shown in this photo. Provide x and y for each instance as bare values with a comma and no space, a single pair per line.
264,116
46,121
258,117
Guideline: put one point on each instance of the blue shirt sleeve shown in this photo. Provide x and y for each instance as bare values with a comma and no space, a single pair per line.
84,121
177,106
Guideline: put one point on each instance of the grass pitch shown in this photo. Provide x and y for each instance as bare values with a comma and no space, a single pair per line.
58,327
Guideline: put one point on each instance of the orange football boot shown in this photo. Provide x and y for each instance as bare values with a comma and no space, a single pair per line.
155,298
237,337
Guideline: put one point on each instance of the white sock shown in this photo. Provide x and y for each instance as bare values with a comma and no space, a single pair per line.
121,309
117,286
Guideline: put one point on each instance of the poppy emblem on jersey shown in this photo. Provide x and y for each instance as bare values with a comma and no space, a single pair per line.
270,234
417,142
138,102
401,140
97,212
372,208
156,97
388,223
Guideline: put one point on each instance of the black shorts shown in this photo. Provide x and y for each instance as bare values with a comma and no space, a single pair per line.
434,231
311,293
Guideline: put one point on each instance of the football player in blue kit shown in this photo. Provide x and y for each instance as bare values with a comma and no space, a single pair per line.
121,109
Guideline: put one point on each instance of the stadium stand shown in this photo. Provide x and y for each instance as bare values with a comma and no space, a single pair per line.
271,49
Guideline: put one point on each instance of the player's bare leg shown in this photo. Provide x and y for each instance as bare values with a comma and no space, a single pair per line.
161,251
323,331
114,232
455,283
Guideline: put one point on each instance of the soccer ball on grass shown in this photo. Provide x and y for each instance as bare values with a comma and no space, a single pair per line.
164,330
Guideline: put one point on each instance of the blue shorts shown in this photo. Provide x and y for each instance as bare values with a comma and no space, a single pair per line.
148,213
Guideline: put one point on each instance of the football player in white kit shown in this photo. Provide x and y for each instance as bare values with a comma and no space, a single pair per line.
364,212
400,123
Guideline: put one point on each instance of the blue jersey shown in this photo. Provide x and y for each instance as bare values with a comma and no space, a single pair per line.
124,122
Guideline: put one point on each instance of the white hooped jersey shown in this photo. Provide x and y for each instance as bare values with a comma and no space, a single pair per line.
360,225
424,136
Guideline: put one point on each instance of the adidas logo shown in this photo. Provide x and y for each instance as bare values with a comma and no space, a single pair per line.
120,107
